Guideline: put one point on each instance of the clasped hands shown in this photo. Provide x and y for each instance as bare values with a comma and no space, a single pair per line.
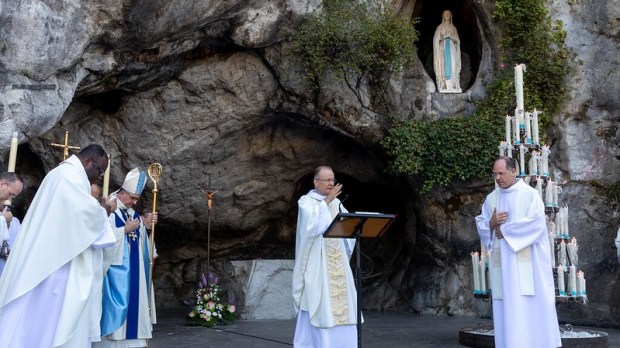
497,219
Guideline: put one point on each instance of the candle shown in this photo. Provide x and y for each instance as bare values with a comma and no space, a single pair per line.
565,221
572,277
580,283
563,254
545,160
551,244
528,129
106,178
559,217
483,284
501,148
12,154
535,135
549,194
533,163
583,287
555,195
507,129
515,130
519,69
522,159
539,182
476,272
561,280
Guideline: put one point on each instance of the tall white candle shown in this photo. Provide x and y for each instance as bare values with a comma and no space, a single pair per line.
535,133
583,287
522,159
519,69
507,129
563,253
476,272
549,194
572,277
555,195
565,221
551,244
483,283
545,160
561,280
539,182
580,283
533,163
106,178
559,217
12,154
516,131
528,128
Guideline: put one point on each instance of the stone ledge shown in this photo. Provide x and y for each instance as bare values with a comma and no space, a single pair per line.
266,287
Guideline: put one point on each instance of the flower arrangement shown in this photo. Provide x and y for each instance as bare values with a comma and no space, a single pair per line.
209,310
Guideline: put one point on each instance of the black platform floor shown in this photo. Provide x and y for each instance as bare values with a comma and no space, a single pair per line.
380,330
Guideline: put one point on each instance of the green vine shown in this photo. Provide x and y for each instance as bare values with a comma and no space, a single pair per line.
443,151
353,40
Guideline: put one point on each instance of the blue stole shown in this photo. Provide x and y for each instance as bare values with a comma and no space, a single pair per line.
121,285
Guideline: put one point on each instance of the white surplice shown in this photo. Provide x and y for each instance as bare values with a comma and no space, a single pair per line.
522,320
323,286
46,286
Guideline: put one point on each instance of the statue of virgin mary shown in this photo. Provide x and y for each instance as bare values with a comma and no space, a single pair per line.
447,56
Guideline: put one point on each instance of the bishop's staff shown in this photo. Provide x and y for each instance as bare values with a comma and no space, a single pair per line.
154,171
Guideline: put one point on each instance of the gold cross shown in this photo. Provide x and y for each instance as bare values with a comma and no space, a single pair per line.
133,235
66,146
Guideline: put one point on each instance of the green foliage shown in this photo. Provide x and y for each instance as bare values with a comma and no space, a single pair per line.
458,149
354,39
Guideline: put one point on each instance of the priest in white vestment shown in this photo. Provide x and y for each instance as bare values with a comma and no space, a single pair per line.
323,286
513,225
46,286
11,185
128,312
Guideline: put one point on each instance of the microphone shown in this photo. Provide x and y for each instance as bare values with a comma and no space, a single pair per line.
342,201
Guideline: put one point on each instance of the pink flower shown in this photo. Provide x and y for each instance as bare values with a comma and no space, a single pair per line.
232,308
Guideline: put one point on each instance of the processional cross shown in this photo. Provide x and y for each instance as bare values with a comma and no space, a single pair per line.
66,146
209,192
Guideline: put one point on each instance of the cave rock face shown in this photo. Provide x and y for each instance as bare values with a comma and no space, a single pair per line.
208,90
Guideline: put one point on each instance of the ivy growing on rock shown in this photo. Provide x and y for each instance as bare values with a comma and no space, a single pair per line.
356,41
443,151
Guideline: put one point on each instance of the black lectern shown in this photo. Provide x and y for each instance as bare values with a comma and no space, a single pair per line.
356,225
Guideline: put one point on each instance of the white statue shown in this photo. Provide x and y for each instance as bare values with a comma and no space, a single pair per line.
447,55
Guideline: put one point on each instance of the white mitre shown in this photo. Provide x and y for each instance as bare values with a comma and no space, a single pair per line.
134,181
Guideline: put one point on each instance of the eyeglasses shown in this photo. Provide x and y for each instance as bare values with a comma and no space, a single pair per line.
333,181
132,198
